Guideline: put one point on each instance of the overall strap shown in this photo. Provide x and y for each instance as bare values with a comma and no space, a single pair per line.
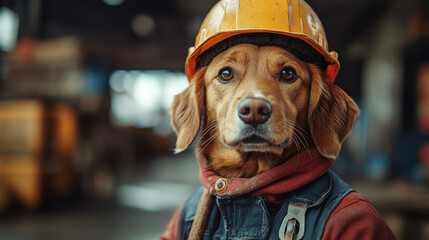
294,219
316,202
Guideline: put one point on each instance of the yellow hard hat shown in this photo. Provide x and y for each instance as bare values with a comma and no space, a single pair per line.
291,18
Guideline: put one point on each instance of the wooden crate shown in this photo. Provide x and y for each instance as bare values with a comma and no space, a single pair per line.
21,126
37,147
21,175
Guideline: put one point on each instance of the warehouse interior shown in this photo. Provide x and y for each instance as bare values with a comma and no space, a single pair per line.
86,145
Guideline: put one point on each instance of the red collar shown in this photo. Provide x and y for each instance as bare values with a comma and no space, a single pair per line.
272,184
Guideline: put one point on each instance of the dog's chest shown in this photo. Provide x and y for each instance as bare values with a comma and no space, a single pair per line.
253,217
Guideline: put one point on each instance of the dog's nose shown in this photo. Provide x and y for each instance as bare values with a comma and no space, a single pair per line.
254,110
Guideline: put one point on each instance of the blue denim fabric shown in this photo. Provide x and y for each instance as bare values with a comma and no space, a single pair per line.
251,217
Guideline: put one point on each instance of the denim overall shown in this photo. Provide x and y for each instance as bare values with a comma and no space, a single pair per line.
252,217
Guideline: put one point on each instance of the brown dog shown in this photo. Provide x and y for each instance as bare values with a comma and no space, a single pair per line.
268,126
268,122
261,106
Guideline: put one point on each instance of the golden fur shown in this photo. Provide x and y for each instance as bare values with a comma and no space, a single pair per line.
308,112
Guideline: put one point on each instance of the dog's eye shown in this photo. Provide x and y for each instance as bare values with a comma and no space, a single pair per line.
288,74
225,74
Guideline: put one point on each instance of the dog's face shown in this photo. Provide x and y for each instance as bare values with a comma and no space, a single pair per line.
255,95
262,105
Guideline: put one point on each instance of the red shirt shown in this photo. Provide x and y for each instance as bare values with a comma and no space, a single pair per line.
353,218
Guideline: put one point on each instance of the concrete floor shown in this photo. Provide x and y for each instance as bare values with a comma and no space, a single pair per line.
140,209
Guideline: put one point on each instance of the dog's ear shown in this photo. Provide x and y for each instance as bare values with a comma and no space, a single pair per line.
331,115
186,111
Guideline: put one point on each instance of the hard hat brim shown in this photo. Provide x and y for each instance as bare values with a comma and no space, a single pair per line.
330,57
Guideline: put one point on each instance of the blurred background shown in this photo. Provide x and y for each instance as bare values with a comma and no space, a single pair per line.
85,137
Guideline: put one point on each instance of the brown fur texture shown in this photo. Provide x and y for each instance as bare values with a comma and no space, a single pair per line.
186,112
307,112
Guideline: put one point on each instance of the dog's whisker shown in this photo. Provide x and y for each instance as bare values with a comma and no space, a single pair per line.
294,142
306,147
211,126
301,140
204,147
207,142
296,125
211,138
209,130
298,148
301,136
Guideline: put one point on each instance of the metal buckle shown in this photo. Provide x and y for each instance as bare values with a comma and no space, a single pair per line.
295,215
